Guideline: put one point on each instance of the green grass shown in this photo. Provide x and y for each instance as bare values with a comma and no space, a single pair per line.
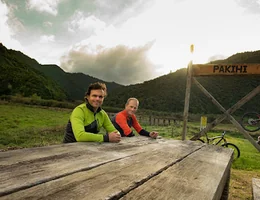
27,126
249,158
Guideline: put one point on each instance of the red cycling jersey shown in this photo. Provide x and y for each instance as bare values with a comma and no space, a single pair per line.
125,122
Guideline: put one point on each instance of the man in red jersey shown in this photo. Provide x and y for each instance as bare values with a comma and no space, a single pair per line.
124,120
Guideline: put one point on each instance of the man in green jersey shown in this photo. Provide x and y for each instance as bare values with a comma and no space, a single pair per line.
87,119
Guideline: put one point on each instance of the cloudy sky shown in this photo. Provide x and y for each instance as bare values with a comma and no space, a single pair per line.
129,41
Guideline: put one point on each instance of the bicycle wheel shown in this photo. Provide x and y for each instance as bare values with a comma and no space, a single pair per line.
200,140
235,149
251,121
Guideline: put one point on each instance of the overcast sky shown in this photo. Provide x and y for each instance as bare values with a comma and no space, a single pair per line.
129,41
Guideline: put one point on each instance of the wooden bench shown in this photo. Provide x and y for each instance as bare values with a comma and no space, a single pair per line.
136,168
256,188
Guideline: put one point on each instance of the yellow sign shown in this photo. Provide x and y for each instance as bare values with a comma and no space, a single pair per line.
225,69
203,122
191,48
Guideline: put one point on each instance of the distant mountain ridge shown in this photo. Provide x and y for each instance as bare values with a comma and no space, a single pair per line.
246,57
25,76
18,77
73,85
167,93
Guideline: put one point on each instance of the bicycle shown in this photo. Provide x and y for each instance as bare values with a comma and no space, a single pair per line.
251,121
222,140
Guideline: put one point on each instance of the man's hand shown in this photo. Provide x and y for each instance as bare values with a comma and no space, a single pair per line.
114,136
153,134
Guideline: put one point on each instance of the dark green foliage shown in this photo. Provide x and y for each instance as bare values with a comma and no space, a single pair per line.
245,57
39,102
75,84
167,93
20,78
25,76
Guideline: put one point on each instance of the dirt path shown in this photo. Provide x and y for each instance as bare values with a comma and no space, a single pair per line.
241,184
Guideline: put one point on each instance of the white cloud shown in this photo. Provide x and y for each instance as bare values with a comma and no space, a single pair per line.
6,33
122,64
47,38
250,6
49,6
45,52
101,28
88,25
172,27
3,17
47,24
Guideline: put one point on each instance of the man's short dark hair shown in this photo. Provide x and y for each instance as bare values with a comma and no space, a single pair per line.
96,86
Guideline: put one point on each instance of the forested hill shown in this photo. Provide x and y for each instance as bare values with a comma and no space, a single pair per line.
246,57
167,93
18,77
23,75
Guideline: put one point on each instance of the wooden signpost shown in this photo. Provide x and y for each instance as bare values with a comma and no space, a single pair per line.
225,69
220,70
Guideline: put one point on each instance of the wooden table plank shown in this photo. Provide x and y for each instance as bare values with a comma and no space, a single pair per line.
29,154
47,167
113,178
256,188
202,175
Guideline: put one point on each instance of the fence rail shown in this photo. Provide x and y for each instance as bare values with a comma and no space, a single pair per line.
153,120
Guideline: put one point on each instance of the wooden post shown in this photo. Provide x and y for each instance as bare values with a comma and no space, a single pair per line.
232,119
187,97
240,103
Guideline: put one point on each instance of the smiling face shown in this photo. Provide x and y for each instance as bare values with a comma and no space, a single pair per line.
96,98
131,107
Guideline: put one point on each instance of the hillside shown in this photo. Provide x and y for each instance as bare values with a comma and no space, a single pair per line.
24,75
18,77
167,93
73,85
245,57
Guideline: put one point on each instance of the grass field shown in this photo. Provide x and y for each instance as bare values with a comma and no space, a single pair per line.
27,126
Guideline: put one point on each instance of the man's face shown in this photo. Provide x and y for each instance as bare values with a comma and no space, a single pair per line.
96,97
131,107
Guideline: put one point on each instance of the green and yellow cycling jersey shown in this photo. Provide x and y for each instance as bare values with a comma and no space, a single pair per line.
84,125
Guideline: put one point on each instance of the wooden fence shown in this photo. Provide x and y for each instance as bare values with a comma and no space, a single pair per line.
154,120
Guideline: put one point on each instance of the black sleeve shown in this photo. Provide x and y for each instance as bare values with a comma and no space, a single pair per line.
144,133
131,134
106,138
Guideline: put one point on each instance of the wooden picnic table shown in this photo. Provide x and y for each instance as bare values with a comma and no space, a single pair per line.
256,188
136,168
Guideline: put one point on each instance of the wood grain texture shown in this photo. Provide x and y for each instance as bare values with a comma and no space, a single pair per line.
28,154
36,165
228,69
135,168
202,175
256,188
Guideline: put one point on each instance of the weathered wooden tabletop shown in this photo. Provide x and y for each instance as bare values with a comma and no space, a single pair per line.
135,168
256,188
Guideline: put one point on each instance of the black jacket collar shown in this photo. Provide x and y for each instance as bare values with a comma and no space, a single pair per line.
92,109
